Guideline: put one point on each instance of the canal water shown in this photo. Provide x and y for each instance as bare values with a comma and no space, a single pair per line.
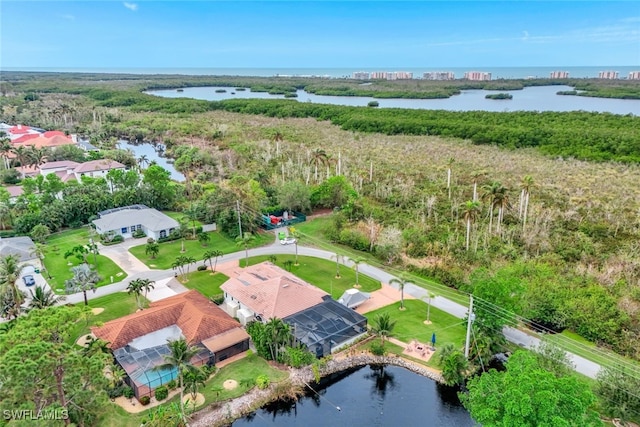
368,396
154,152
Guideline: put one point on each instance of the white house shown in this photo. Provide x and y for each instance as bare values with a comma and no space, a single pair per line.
126,220
97,168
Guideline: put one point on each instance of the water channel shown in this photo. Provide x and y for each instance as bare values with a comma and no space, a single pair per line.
153,152
368,396
536,98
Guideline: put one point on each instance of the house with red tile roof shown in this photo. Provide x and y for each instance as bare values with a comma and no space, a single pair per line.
139,340
264,291
97,168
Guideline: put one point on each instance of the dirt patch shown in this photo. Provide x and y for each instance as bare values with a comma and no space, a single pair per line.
380,298
190,403
132,406
97,310
84,339
230,384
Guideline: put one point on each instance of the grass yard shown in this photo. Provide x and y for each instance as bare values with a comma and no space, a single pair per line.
244,371
115,305
205,283
179,215
409,325
193,248
58,267
321,273
313,235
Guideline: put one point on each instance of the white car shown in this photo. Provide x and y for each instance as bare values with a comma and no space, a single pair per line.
288,241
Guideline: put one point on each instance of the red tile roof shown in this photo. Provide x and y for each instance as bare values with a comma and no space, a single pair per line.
197,317
55,141
98,165
271,291
52,133
25,138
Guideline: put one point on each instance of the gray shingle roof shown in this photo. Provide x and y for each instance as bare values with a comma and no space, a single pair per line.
21,246
151,219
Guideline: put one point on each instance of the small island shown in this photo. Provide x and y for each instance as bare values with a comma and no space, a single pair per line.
501,95
221,91
373,104
179,90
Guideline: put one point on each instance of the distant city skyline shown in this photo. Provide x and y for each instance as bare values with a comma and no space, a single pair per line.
304,34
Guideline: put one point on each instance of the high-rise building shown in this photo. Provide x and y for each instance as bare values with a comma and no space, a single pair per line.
559,75
439,75
379,75
609,75
477,76
634,75
360,75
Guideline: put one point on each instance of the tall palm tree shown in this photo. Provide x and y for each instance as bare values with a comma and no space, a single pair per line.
356,266
401,282
212,254
294,233
493,193
6,215
278,334
526,185
477,176
179,359
383,326
83,279
43,298
244,241
137,287
5,149
193,379
318,158
36,156
470,213
338,258
22,154
143,161
430,296
450,163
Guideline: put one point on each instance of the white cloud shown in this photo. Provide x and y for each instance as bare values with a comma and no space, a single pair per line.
131,6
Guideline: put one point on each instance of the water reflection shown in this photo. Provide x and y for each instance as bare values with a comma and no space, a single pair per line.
152,152
367,396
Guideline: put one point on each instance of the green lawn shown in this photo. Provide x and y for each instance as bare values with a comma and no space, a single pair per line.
313,235
193,248
409,325
179,215
244,371
115,305
58,267
205,283
321,273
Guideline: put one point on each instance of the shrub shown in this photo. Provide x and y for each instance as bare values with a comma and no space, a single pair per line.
151,240
117,391
128,392
217,299
202,267
145,400
172,385
161,393
138,234
377,348
263,382
298,357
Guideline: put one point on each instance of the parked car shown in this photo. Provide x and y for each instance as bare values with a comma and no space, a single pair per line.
28,280
288,241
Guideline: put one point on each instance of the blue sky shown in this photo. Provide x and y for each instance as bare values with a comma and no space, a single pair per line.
324,34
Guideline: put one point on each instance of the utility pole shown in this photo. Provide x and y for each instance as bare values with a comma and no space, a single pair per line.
239,218
469,320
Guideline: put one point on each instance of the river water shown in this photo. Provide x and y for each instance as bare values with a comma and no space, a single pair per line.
536,98
368,396
154,153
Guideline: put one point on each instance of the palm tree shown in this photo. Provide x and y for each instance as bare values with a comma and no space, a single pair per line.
143,160
383,326
288,264
138,286
454,365
318,157
6,215
294,233
212,254
244,241
9,272
152,249
22,154
429,297
470,213
450,163
476,177
193,379
95,346
493,193
83,279
356,266
5,149
43,298
338,258
527,183
179,359
401,282
278,334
